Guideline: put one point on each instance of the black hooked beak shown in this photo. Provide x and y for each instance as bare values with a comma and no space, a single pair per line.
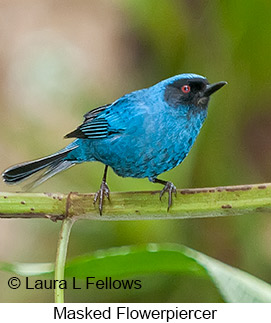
212,88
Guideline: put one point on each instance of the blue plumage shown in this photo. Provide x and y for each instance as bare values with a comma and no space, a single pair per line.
142,134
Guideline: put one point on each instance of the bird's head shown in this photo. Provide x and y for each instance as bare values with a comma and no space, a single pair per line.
190,90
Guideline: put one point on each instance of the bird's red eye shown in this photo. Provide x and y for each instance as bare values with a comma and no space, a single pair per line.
186,89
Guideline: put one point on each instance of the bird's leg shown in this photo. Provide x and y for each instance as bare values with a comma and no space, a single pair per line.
169,187
103,191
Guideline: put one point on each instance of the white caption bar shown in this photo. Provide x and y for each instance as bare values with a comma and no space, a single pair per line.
151,312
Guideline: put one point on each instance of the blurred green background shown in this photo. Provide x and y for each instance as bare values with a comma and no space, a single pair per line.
60,59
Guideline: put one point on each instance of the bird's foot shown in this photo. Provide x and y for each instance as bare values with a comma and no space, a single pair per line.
103,191
170,188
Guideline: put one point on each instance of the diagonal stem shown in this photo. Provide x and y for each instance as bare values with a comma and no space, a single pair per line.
61,254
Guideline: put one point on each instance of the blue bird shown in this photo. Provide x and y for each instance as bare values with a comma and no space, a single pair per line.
142,134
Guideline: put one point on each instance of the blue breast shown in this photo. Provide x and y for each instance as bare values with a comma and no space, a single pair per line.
156,137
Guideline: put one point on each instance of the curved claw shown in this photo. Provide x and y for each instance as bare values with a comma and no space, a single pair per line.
103,191
170,188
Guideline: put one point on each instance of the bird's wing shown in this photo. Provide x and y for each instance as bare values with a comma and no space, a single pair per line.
95,112
95,125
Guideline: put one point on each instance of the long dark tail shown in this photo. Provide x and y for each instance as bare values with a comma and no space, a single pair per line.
54,163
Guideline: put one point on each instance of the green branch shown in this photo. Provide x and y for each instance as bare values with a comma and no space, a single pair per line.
61,254
189,203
